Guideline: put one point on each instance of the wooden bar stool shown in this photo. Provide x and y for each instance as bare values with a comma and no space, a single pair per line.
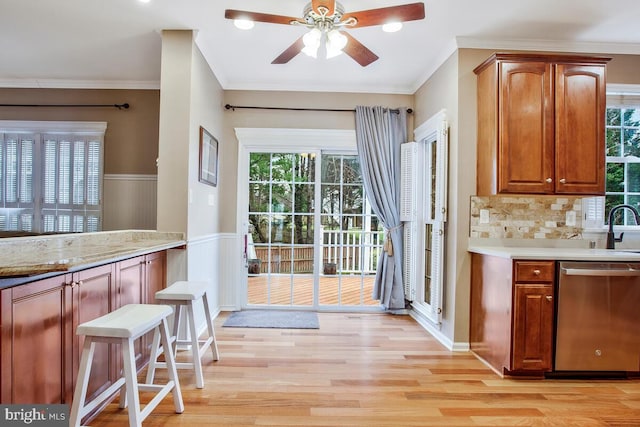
123,326
185,294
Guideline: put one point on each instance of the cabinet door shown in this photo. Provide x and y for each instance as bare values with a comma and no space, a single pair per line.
526,147
93,296
155,280
130,289
532,327
580,134
36,342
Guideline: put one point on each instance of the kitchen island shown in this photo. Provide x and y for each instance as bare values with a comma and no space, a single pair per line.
50,284
564,310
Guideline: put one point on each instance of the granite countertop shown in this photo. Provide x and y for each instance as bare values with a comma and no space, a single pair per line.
550,250
33,255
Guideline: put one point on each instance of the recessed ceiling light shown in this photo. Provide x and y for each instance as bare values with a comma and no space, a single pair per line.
243,24
144,1
392,27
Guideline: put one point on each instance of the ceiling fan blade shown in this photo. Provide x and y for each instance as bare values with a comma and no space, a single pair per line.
358,51
367,18
258,17
329,4
290,52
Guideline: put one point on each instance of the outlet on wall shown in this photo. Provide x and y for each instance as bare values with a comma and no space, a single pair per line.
484,216
571,218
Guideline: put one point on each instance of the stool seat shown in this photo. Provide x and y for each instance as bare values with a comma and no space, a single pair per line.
129,321
183,290
123,326
183,294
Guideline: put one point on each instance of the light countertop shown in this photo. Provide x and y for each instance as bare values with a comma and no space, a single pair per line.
554,250
22,256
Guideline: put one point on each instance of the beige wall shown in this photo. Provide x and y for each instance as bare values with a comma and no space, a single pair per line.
191,97
206,110
242,118
131,140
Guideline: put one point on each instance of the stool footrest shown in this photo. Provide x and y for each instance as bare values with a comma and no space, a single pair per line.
161,392
110,391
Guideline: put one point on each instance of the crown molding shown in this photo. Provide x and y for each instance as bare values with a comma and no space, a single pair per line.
79,84
548,45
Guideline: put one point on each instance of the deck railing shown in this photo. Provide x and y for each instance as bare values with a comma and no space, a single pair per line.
343,251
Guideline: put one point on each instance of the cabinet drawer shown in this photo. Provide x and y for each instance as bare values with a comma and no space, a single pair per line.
534,271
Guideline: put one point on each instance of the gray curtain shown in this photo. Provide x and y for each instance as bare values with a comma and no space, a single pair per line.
379,133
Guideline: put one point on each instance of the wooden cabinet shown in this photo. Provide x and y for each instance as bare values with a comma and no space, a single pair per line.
36,342
93,295
512,314
155,279
541,124
533,310
131,290
40,350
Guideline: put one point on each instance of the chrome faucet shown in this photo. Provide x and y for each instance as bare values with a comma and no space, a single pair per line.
611,238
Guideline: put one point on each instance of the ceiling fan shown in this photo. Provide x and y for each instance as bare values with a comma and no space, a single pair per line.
326,19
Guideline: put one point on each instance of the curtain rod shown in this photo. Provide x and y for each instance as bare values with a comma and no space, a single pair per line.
233,107
124,106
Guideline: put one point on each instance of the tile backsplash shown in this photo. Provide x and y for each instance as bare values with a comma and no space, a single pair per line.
526,217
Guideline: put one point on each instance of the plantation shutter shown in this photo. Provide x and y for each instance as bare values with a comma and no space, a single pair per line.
593,212
72,170
16,183
408,181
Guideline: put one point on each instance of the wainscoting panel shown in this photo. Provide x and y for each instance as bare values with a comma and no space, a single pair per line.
130,202
217,260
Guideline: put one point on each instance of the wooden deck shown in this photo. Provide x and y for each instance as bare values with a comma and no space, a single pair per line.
283,289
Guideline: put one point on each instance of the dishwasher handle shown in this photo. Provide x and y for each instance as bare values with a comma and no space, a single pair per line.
600,272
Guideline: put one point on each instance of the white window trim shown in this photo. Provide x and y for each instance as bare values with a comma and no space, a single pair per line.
434,131
79,128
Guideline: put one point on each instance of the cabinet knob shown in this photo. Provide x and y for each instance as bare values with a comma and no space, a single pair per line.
562,181
536,272
549,298
549,180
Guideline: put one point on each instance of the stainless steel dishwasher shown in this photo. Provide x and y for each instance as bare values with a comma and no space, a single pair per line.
598,316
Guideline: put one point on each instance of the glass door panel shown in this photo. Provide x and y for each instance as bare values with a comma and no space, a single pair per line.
313,241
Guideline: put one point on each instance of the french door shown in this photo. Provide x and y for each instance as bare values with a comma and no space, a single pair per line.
311,239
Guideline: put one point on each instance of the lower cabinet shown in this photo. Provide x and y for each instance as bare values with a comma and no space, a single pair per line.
93,296
40,352
512,314
36,364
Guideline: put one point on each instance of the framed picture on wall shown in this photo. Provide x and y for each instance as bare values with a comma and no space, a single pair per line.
208,158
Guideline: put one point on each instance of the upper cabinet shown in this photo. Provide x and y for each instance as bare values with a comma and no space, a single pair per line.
541,124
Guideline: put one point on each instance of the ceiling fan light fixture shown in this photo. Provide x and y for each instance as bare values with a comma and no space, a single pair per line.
392,27
243,24
336,41
311,42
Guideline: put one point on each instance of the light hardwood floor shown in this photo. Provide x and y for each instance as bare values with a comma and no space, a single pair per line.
374,370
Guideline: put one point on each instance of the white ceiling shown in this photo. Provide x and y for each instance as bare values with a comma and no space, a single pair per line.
117,43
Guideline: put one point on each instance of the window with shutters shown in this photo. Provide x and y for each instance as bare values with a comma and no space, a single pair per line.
51,178
423,211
